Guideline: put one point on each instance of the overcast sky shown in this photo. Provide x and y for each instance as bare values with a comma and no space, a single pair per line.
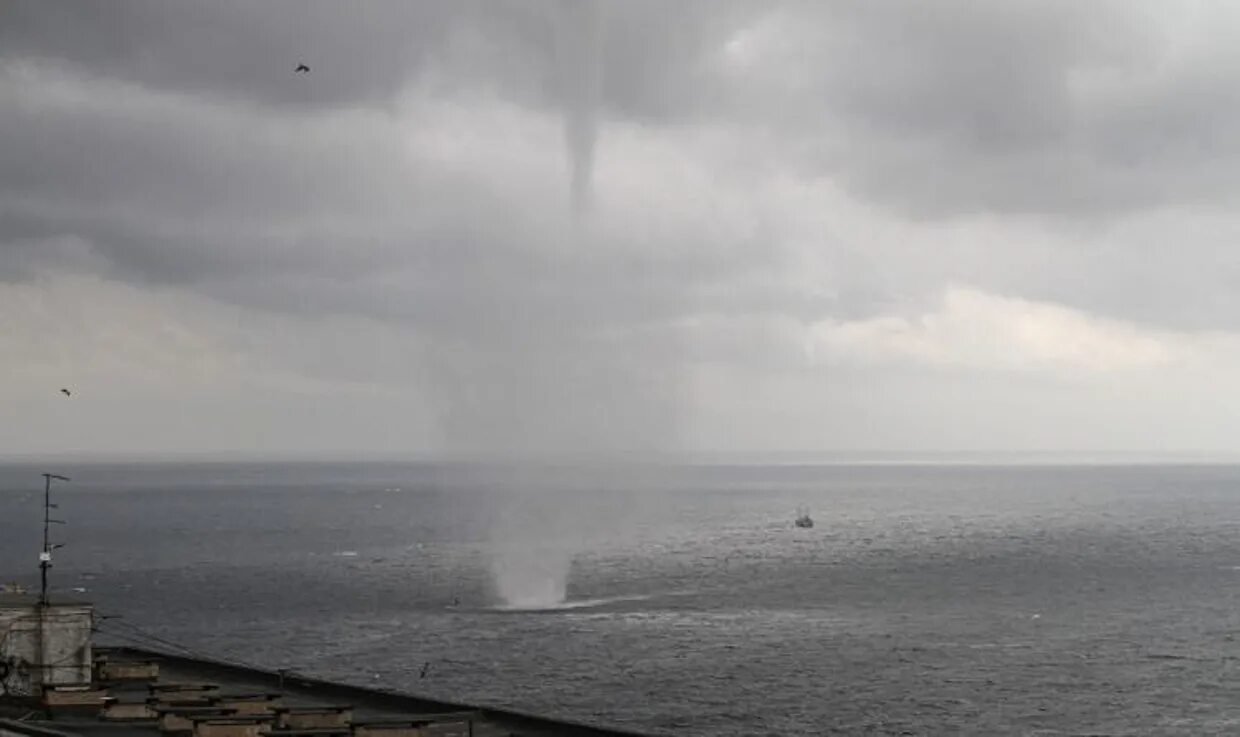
678,226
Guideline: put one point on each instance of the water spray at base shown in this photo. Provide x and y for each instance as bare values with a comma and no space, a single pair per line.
531,576
534,536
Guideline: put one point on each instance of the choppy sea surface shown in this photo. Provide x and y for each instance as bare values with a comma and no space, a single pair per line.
926,600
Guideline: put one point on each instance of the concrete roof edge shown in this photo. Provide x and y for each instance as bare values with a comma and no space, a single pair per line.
578,728
14,725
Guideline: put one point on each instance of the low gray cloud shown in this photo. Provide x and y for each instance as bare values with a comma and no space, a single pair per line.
1058,109
360,54
753,170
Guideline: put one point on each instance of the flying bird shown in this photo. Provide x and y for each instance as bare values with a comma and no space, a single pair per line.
302,68
66,392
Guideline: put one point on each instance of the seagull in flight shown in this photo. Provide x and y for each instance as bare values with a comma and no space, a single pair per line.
66,392
302,68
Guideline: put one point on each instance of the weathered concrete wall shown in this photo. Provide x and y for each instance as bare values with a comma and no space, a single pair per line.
397,731
250,707
325,719
128,671
44,646
232,728
127,711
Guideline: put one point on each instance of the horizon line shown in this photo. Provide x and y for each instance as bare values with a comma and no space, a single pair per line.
688,458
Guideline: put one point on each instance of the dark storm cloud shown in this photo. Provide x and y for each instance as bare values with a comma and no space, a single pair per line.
1055,108
363,53
755,164
184,151
166,189
359,53
221,164
938,109
192,167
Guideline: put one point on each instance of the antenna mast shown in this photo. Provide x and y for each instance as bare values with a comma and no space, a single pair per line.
45,557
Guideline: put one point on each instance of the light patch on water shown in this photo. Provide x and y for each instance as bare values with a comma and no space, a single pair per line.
575,604
531,577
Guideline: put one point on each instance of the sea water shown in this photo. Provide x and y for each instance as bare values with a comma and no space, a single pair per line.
926,599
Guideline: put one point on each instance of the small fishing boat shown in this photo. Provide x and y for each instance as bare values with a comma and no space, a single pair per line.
803,518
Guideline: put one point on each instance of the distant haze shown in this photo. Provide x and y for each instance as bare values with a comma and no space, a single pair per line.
700,227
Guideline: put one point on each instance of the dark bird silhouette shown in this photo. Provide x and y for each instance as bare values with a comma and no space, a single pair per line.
65,392
302,68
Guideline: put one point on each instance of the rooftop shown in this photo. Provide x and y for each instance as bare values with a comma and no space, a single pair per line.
135,697
9,600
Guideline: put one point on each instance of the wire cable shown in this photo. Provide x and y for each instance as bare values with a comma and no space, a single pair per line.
142,638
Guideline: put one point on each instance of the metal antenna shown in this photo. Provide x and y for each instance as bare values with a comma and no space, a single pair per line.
45,557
